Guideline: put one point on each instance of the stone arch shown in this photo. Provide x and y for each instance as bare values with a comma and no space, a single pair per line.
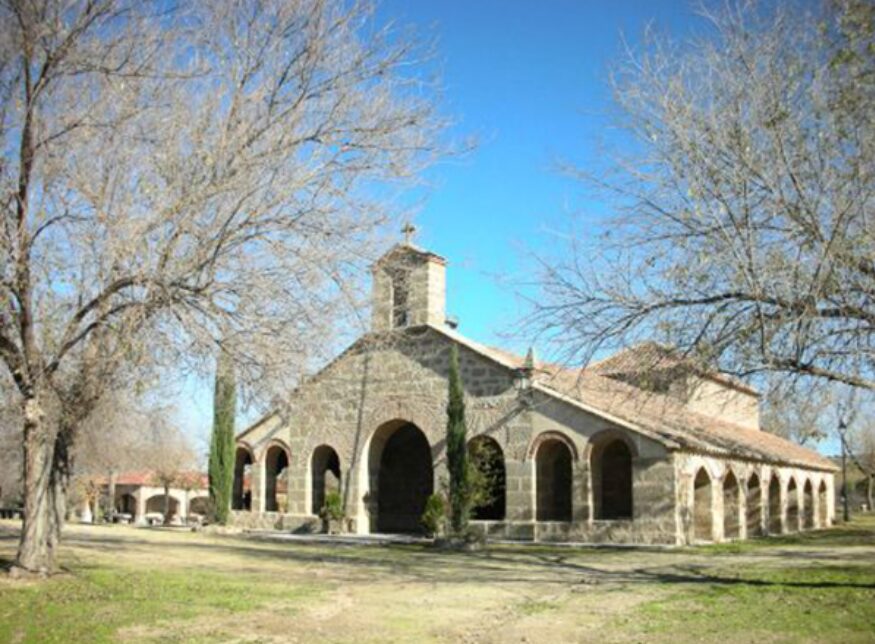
808,505
126,504
823,505
199,505
792,506
488,458
324,476
775,505
155,504
703,514
731,509
543,437
611,456
754,506
553,477
401,476
241,498
276,486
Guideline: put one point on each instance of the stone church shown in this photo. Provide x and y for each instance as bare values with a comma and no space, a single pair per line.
642,447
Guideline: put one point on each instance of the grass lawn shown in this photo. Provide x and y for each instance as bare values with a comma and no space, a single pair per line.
127,584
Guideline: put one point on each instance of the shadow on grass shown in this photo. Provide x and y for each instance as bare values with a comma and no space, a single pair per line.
505,564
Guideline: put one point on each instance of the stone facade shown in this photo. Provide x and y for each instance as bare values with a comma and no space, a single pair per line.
560,459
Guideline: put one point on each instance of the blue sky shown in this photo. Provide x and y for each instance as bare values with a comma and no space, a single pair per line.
529,80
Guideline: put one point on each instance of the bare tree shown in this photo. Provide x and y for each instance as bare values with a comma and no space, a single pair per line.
170,458
744,193
172,178
803,414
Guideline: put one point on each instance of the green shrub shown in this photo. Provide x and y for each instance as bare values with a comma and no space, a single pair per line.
435,515
332,509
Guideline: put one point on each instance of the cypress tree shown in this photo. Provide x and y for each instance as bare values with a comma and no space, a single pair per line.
221,466
457,453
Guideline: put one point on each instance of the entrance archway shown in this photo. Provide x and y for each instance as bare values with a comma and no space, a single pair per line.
402,477
276,465
774,505
792,506
126,504
730,507
487,457
553,480
241,498
703,518
612,479
754,505
808,505
324,476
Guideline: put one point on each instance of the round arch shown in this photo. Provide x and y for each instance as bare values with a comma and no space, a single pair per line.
703,515
400,474
754,506
324,476
731,505
792,505
611,455
488,458
244,460
276,458
553,461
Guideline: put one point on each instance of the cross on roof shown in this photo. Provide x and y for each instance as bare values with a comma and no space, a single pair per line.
409,230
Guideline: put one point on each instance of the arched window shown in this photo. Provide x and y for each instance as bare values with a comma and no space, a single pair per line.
488,459
612,480
276,464
703,520
553,480
754,504
730,507
325,476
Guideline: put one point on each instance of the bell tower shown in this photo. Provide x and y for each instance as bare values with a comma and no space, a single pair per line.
409,287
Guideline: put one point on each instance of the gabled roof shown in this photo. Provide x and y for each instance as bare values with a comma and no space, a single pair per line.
652,356
653,415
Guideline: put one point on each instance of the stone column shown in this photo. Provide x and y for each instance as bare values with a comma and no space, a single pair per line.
140,512
258,486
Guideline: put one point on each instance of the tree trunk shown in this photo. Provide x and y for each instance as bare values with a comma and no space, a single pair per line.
870,483
59,484
110,505
35,552
166,504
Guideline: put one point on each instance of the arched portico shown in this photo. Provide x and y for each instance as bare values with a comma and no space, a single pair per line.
488,458
324,476
554,457
792,506
731,509
241,497
611,458
775,522
400,475
703,513
276,465
754,506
